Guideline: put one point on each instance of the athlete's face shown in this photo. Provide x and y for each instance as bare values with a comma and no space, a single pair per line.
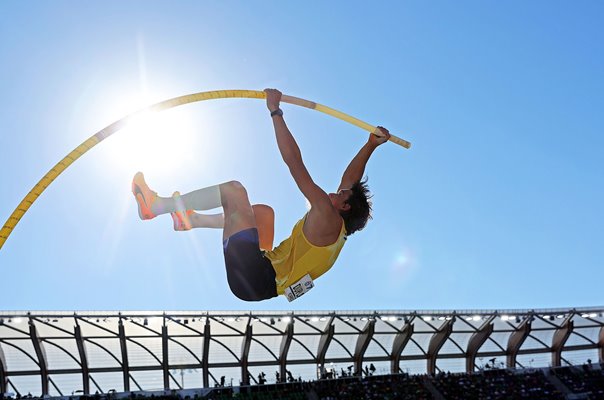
339,199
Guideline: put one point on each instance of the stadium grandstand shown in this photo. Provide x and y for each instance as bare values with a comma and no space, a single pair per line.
319,355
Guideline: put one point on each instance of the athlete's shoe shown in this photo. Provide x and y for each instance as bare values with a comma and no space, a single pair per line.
181,219
145,197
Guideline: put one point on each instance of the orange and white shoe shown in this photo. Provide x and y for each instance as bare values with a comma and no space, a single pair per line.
145,197
181,219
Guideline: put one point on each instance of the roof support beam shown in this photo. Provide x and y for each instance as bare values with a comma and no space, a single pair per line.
55,386
286,341
40,354
165,361
476,341
3,377
324,342
559,340
436,342
516,339
362,343
205,360
125,365
601,344
398,345
245,352
83,359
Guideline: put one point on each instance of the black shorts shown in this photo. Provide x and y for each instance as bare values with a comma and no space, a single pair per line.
250,275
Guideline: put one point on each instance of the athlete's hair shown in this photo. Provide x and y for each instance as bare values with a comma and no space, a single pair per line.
359,213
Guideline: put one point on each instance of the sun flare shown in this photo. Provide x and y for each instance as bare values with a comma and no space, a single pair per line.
159,142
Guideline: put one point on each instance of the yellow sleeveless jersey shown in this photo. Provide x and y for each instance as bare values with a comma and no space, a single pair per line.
296,257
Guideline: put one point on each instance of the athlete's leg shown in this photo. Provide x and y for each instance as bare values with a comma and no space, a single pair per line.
238,212
250,275
151,205
263,214
215,221
265,221
232,196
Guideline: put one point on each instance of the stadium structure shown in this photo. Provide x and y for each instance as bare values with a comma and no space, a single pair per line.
65,353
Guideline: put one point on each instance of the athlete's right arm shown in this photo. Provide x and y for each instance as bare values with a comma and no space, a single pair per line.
290,152
355,170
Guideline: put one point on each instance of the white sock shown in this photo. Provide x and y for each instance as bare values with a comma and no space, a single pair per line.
202,199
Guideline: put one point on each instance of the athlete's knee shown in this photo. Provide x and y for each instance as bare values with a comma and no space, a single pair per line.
232,189
232,186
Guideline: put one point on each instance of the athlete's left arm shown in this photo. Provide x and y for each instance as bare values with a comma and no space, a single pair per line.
355,170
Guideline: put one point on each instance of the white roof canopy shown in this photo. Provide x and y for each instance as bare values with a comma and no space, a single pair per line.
61,353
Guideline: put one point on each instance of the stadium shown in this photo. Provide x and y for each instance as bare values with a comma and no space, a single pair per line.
555,353
476,126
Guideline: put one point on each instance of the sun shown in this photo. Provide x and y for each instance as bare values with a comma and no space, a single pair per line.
154,142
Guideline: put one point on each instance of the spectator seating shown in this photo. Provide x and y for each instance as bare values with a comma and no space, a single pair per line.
496,384
586,379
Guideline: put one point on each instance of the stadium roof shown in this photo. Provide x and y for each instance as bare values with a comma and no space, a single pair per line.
60,353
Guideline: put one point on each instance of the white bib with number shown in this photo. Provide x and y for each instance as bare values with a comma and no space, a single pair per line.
299,288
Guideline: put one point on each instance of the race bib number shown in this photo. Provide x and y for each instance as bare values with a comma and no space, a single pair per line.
299,288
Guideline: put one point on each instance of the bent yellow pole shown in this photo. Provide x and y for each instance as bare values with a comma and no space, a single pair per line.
76,153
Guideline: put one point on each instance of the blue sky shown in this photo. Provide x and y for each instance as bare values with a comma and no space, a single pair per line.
498,204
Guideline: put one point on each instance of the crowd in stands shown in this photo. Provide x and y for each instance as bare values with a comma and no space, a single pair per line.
585,379
586,382
380,387
262,392
496,384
